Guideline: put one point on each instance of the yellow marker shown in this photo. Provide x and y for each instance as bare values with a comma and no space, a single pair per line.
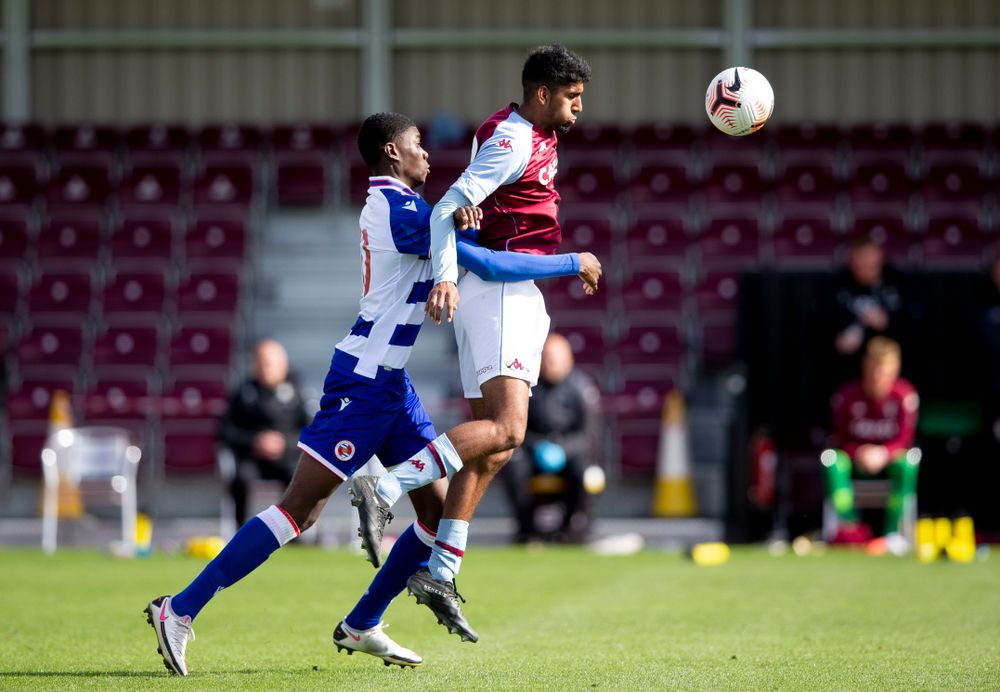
709,554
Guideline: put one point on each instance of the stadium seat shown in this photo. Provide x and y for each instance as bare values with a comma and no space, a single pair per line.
300,178
734,183
879,184
30,401
14,240
659,138
143,241
230,183
446,167
21,138
638,445
358,173
589,181
19,182
157,138
119,401
151,184
954,182
216,241
659,345
806,240
79,184
190,446
658,240
807,184
70,240
718,337
817,141
729,241
302,137
588,341
63,293
86,145
882,141
658,294
588,234
26,443
660,182
230,138
592,137
194,398
120,348
953,141
205,296
135,297
955,240
717,291
642,398
50,351
201,348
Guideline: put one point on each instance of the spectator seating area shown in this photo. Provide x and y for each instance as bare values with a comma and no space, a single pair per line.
126,255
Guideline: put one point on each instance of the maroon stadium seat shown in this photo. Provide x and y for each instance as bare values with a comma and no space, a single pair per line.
194,398
158,138
954,181
638,445
300,178
656,292
61,293
10,291
807,239
207,348
139,296
642,398
658,240
889,231
302,137
814,140
30,401
592,137
587,340
19,182
119,347
79,184
143,240
189,446
881,140
230,138
118,401
566,294
26,443
50,347
660,138
590,181
70,240
954,239
728,183
225,184
588,234
86,145
21,138
729,241
718,337
659,345
151,184
717,291
208,295
880,184
216,240
723,150
807,183
660,182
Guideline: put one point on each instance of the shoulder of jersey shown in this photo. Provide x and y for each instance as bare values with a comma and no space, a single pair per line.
511,135
400,199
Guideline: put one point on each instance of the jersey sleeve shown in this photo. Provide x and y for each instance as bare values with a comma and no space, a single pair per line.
501,160
499,265
409,224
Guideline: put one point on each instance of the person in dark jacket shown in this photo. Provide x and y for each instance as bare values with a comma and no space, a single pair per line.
558,445
262,423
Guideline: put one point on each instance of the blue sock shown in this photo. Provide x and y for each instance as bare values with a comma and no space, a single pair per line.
245,552
409,554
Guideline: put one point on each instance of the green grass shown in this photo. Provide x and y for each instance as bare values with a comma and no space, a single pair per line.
547,619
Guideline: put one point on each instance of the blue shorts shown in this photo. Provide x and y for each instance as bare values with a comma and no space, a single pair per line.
360,419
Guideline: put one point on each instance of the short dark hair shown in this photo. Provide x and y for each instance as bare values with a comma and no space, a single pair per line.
378,130
553,66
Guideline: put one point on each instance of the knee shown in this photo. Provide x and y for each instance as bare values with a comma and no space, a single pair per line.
494,462
508,436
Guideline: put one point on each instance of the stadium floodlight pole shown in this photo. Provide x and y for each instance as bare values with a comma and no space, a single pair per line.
16,58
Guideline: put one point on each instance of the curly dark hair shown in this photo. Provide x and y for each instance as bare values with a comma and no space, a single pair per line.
553,66
378,130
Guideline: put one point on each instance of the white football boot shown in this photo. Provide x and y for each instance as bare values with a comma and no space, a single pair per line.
172,634
375,642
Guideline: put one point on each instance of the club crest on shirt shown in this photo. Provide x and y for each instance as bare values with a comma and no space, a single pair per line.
344,450
505,144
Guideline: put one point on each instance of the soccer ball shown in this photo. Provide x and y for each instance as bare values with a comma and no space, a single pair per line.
739,101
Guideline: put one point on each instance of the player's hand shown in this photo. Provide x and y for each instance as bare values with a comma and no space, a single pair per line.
875,318
468,217
872,458
442,301
269,445
849,340
590,272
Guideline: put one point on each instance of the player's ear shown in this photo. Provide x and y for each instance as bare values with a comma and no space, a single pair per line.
543,94
391,151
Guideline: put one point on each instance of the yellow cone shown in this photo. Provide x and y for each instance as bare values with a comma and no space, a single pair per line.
674,488
69,504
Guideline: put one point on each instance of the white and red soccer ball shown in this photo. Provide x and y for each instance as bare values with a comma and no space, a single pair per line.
739,101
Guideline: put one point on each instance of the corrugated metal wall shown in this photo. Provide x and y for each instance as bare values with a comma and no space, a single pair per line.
630,84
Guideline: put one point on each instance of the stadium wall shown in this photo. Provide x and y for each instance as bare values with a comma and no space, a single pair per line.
123,61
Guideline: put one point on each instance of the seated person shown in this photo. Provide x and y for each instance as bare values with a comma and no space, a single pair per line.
262,423
874,422
558,441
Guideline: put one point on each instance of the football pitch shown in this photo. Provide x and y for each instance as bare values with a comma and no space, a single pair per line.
554,618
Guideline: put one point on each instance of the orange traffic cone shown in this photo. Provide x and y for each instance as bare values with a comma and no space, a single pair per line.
69,504
674,493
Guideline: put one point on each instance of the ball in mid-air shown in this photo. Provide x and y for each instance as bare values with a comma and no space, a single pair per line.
739,101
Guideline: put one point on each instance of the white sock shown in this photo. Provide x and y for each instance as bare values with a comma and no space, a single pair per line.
437,460
449,549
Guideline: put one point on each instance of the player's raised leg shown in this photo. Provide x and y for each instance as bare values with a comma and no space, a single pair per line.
172,616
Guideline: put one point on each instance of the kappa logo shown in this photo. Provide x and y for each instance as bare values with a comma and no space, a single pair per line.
344,403
543,147
505,144
419,465
411,205
516,365
344,450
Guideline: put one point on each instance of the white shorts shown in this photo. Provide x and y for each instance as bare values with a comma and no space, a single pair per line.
500,329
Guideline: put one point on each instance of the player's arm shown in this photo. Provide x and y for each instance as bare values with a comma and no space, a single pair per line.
500,265
494,165
907,425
